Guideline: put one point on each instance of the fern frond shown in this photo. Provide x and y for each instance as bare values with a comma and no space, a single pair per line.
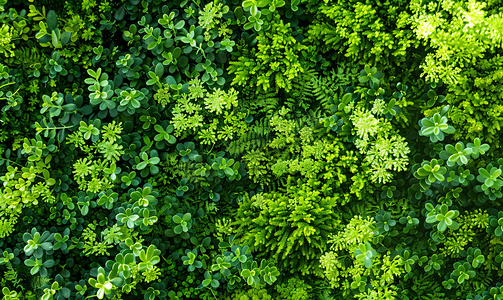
266,103
255,139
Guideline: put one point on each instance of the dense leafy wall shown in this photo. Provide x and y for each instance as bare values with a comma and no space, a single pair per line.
257,149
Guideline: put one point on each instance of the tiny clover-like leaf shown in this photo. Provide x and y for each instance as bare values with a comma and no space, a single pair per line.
147,220
408,260
81,289
7,257
184,187
478,148
128,217
183,223
164,134
389,192
8,294
490,177
496,224
409,221
364,253
211,280
250,275
49,292
448,284
130,99
107,200
186,217
143,196
60,240
268,272
177,219
435,127
332,123
359,283
443,215
370,75
434,263
149,258
103,283
135,247
129,178
462,176
456,154
88,130
143,160
499,229
431,172
463,272
391,110
384,221
222,264
432,97
147,121
186,150
190,260
475,257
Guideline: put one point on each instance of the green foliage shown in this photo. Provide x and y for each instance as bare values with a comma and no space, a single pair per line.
251,294
332,123
436,127
491,182
8,294
101,90
452,29
24,187
443,215
190,260
294,225
384,148
92,174
369,271
376,32
210,15
462,272
294,288
364,252
478,148
489,177
384,151
384,221
236,264
127,159
464,39
475,102
430,173
164,134
496,224
189,115
456,154
277,60
104,283
143,161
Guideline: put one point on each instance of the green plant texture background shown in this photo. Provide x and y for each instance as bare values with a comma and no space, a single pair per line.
251,149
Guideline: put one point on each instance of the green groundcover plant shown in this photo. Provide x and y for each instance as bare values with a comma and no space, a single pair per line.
256,149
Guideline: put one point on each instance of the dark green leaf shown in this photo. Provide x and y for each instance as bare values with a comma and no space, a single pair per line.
120,13
159,70
52,20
